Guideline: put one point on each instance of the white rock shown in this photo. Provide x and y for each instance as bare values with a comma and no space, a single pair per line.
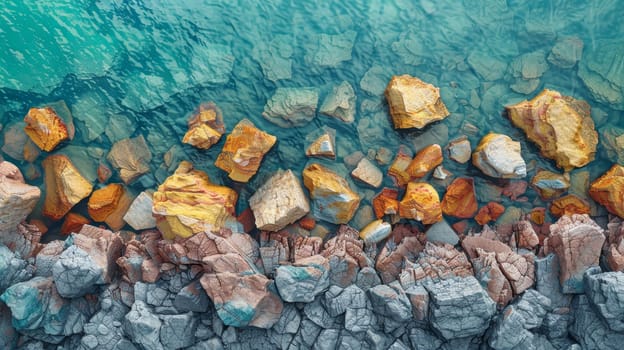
340,103
368,173
459,150
139,215
499,156
376,231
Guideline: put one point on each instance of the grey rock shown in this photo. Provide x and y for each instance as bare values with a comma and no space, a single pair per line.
13,269
317,314
509,330
76,273
422,339
327,340
229,336
139,214
192,297
398,345
566,52
533,307
590,330
8,334
367,278
178,331
419,298
143,327
289,320
391,302
210,344
555,325
330,50
47,257
378,340
303,280
459,307
360,319
291,107
547,280
442,232
605,292
350,341
340,103
308,333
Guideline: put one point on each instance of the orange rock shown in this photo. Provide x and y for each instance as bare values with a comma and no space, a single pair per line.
65,186
426,160
73,223
538,215
40,225
246,218
608,190
205,127
460,199
568,205
386,203
109,204
398,168
421,202
188,203
461,227
413,103
243,151
46,128
307,223
489,212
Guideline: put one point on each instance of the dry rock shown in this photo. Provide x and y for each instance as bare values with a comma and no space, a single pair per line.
17,199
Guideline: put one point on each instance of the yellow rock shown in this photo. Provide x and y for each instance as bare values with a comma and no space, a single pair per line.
243,151
109,204
421,202
561,126
64,184
205,127
45,128
414,103
550,185
324,146
608,190
425,160
188,203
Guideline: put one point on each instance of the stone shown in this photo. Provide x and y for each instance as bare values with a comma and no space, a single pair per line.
375,231
139,214
526,237
333,200
569,205
386,203
324,146
291,107
303,280
75,273
550,185
566,52
460,150
243,151
280,201
143,327
178,331
421,202
330,50
547,281
607,188
188,203
529,66
472,243
436,262
425,160
614,248
23,240
518,269
390,301
499,156
103,247
73,223
65,186
9,337
489,274
488,67
489,212
403,245
605,292
413,103
346,256
589,329
13,269
398,168
340,103
577,240
15,140
131,158
47,127
442,232
600,71
205,126
561,126
109,204
367,173
460,199
17,199
459,307
424,340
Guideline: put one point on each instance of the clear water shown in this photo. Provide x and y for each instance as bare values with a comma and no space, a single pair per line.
146,64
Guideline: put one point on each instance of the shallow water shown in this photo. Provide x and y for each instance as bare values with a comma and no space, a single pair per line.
129,67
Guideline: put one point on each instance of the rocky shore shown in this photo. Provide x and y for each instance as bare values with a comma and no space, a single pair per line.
312,261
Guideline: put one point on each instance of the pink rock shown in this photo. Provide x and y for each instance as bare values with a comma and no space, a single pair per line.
346,256
525,235
519,270
437,262
489,274
103,246
471,243
17,199
402,244
141,260
614,246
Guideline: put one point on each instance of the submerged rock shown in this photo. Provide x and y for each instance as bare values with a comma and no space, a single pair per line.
367,173
499,156
421,202
601,71
340,103
17,199
566,52
131,158
65,186
330,50
47,127
291,107
332,198
414,103
205,127
608,190
324,145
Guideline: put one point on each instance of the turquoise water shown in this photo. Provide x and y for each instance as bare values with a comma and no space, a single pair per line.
129,67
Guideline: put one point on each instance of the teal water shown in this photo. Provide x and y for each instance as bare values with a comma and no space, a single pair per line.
130,67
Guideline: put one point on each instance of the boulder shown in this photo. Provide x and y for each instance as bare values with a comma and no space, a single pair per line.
332,198
243,151
131,158
340,103
143,326
590,330
605,292
460,199
459,149
188,203
489,274
178,331
139,214
109,204
205,126
607,190
73,222
76,273
324,146
17,199
23,240
13,268
291,107
65,186
402,246
413,103
436,262
48,126
303,280
375,231
421,202
425,160
518,269
346,256
499,156
280,201
561,126
367,173
390,301
442,232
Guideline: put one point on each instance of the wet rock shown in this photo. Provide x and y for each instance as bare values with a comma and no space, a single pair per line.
605,292
436,262
398,168
590,330
425,160
460,199
566,52
490,212
561,126
131,158
243,151
17,199
600,71
386,203
205,127
139,214
291,107
577,241
569,205
15,140
303,280
550,185
340,103
331,50
459,150
143,326
346,256
323,146
499,156
442,232
279,202
403,245
489,274
332,198
390,301
607,188
490,68
367,173
109,204
65,186
459,307
421,202
188,203
375,232
530,65
47,127
414,103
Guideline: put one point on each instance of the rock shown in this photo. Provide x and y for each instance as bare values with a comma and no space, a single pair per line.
23,240
143,326
607,188
488,67
188,203
561,126
279,202
489,274
402,246
13,269
178,331
386,203
65,186
421,202
75,273
424,340
518,269
577,241
205,126
73,223
375,232
459,149
103,247
442,232
48,126
8,340
589,330
614,247
529,66
346,256
243,151
332,198
324,146
17,199
330,50
436,262
460,199
15,140
139,214
600,71
605,292
398,168
569,205
566,52
291,107
550,185
414,103
525,235
109,204
472,243
499,156
390,301
425,160
340,103
303,280
367,173
490,212
131,158
459,307
547,281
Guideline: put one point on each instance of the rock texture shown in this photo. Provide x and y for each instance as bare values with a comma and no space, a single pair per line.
550,185
303,280
608,188
375,232
243,151
47,129
561,126
139,213
386,203
291,107
332,198
368,173
17,199
131,158
414,103
324,146
421,202
499,156
605,292
205,126
65,186
109,204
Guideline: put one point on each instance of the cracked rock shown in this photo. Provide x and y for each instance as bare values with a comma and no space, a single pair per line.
303,280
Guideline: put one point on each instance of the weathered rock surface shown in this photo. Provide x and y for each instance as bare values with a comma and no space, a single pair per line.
291,107
600,71
332,198
303,280
390,301
589,329
65,186
608,188
367,173
460,150
436,262
569,205
489,274
109,204
139,213
425,160
414,103
499,156
421,202
243,151
460,199
46,128
398,168
131,158
17,199
489,212
561,126
403,246
340,103
13,268
346,256
205,127
386,202
143,326
605,292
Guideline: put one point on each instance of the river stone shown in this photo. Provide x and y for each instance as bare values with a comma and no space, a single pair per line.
499,156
